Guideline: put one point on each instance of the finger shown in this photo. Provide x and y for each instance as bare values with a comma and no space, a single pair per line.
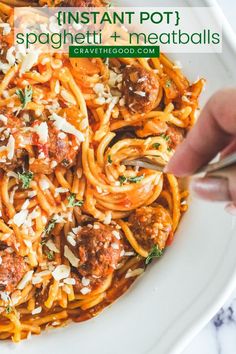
232,184
229,149
221,187
213,131
213,189
229,174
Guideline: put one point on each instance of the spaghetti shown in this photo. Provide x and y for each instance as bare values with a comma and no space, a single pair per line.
77,227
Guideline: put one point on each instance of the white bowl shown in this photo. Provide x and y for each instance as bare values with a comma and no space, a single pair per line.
178,294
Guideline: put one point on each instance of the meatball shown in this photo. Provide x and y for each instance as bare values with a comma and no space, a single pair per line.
140,88
12,269
11,127
176,136
17,161
4,46
98,249
60,148
151,226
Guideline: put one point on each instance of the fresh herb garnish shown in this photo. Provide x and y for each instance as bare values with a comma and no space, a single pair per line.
123,179
136,179
156,145
169,149
43,241
8,309
25,177
73,202
50,226
109,159
168,83
50,255
25,96
165,137
154,253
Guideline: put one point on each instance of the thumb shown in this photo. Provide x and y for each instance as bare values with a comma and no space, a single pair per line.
220,186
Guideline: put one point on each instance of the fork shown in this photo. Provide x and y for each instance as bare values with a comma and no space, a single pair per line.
218,168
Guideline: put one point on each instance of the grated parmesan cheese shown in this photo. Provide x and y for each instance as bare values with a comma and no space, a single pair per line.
69,281
62,124
3,118
25,204
44,184
100,100
30,59
25,280
85,281
134,273
128,254
51,245
85,290
107,219
71,239
60,190
20,218
42,132
57,87
76,229
122,253
4,296
116,234
11,147
115,246
10,57
140,93
4,67
53,164
28,243
37,310
99,89
12,174
6,28
61,272
38,277
31,194
74,261
61,135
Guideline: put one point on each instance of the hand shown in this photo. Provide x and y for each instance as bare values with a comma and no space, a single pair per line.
214,132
